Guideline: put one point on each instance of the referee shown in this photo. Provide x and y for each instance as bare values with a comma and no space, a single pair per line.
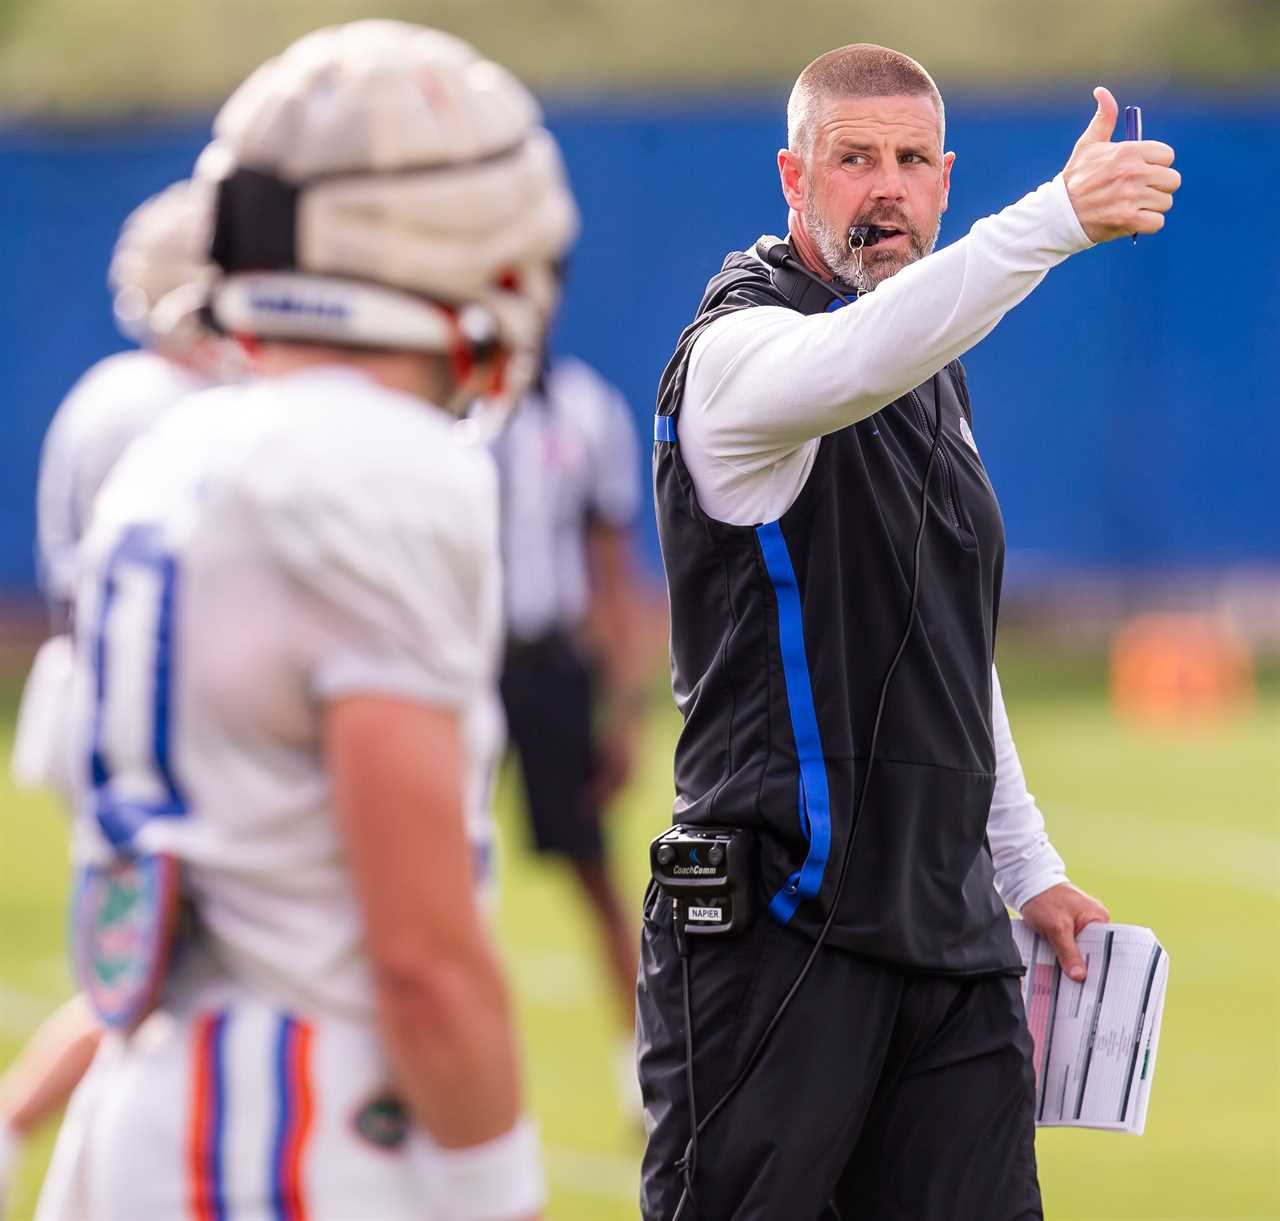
573,682
795,432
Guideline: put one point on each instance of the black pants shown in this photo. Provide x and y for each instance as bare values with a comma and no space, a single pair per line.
548,695
882,1096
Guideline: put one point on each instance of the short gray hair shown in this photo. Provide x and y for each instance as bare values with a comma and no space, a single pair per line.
860,70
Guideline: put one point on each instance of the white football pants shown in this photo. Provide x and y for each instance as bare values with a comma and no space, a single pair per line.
231,1110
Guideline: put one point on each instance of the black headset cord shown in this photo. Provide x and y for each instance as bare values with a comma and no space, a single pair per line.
688,1164
690,1158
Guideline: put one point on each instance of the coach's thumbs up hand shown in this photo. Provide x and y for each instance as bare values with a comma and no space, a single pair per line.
1118,188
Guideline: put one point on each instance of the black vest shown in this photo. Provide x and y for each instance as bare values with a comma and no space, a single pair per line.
781,635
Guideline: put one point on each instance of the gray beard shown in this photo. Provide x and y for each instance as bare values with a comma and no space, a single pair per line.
862,270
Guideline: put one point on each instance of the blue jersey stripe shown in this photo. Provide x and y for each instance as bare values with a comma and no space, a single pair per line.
218,1123
814,798
664,428
162,698
99,765
120,817
284,1119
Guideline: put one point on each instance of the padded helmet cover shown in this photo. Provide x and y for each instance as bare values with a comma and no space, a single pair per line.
418,164
159,268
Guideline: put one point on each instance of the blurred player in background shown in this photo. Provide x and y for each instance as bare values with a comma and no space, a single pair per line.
157,283
290,610
573,684
156,280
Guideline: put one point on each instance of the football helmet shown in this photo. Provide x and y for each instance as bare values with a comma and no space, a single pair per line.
383,185
159,270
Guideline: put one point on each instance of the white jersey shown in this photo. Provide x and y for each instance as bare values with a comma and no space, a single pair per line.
117,400
567,458
262,550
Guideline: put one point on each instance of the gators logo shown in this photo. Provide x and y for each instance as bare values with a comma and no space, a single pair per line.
383,1122
124,925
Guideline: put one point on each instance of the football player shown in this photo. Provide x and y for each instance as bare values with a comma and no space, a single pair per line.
288,622
156,279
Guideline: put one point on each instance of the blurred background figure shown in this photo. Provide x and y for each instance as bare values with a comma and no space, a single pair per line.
577,667
1135,464
156,278
41,1078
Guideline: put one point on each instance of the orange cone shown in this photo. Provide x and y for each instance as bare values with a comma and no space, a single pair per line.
1180,669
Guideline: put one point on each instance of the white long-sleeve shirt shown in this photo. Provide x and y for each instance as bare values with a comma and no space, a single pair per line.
764,384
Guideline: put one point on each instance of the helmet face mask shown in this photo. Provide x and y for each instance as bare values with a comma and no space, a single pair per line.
409,180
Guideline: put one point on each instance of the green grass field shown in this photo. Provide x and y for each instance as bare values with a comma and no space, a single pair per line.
1178,831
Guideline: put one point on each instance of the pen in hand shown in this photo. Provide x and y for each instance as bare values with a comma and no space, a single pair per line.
1133,131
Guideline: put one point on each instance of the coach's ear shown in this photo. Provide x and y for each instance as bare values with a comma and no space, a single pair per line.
948,160
791,173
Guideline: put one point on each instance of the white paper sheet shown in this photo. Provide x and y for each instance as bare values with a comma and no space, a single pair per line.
1095,1042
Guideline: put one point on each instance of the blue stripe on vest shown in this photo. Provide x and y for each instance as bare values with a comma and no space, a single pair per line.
664,428
814,799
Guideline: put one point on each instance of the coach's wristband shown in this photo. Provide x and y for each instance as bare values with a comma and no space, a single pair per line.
501,1180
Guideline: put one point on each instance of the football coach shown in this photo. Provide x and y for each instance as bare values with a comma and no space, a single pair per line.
856,1042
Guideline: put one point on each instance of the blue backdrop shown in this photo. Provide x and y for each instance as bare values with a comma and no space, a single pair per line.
1128,411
